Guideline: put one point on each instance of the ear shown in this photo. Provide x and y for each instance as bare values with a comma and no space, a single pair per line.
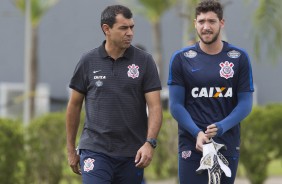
195,22
106,29
222,22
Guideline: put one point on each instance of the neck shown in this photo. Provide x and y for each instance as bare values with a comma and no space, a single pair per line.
213,48
113,51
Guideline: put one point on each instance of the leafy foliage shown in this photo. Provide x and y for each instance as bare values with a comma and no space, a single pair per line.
38,8
261,135
11,151
153,12
46,149
45,159
165,161
268,28
155,9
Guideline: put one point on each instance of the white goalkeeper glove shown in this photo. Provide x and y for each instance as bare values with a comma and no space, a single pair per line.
214,162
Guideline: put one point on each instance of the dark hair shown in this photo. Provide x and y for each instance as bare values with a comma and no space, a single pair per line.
108,16
210,5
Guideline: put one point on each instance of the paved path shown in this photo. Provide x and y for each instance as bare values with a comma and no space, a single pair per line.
271,180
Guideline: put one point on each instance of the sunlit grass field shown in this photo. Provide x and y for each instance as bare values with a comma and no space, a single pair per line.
274,169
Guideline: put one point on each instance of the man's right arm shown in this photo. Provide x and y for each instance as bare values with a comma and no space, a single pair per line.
182,116
72,124
178,111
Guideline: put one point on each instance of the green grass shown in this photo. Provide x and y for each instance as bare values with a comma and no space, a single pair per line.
274,169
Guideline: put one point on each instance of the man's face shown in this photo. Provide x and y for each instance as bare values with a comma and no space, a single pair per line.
121,34
208,27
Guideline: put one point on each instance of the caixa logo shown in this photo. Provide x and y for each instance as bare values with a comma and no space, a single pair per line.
212,92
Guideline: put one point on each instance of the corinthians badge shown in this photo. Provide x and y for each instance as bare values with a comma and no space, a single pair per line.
133,71
88,164
226,70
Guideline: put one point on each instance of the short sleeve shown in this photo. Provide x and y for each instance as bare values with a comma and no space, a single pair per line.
245,75
151,79
79,79
175,76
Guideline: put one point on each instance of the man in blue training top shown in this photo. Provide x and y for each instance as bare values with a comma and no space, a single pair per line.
210,91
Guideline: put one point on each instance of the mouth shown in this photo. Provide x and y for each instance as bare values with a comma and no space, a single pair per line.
127,41
207,33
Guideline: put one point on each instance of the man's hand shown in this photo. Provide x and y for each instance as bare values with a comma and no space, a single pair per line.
211,131
201,139
73,160
144,155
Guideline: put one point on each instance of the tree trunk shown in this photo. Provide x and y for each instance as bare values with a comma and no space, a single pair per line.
34,71
157,42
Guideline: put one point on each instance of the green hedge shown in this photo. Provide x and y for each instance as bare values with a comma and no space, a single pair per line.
46,145
41,156
165,160
11,151
261,135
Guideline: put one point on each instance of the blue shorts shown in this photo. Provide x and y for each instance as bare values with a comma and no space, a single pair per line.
189,162
98,168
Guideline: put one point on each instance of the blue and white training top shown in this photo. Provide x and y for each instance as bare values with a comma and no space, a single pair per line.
211,84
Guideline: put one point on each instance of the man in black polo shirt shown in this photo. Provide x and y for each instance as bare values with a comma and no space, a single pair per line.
117,81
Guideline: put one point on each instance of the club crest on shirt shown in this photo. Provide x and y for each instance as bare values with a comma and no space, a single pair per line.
99,83
190,54
233,54
88,164
133,71
186,154
226,70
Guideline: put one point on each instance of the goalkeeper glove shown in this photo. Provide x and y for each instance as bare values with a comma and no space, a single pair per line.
214,162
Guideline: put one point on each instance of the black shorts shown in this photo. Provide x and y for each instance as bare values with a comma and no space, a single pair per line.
189,162
98,168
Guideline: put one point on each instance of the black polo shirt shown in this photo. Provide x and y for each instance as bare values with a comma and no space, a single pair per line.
116,120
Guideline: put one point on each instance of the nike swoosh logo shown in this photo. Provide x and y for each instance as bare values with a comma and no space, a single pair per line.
96,71
196,69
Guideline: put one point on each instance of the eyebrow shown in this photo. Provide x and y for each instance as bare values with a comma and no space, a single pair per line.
126,26
209,19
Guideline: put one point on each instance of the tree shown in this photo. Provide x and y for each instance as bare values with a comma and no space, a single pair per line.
38,9
260,141
188,13
153,11
267,29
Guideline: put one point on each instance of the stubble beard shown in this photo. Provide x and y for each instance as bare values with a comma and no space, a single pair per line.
214,39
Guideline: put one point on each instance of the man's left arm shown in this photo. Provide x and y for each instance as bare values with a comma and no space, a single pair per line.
245,91
241,111
153,100
145,153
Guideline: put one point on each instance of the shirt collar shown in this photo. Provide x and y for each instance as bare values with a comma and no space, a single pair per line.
127,54
224,48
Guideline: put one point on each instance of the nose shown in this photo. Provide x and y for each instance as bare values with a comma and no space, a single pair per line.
206,26
129,32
